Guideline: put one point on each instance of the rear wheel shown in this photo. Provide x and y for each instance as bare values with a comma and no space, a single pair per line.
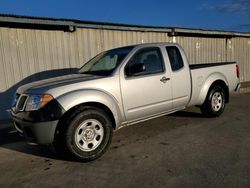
88,134
214,104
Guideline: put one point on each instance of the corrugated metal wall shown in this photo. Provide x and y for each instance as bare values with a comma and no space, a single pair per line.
24,52
29,54
240,48
203,50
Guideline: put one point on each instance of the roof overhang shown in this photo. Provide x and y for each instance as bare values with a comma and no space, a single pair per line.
70,25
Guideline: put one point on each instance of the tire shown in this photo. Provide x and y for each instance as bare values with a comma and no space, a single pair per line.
88,134
214,104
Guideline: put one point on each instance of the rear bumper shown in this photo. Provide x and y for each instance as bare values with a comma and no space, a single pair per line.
40,133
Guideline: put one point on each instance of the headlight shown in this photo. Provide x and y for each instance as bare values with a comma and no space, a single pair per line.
35,102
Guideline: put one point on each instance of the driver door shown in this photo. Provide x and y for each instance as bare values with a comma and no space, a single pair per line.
145,85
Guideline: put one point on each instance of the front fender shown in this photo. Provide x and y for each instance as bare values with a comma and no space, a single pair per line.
74,98
207,84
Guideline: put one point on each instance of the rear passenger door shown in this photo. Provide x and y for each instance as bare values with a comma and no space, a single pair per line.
147,91
180,75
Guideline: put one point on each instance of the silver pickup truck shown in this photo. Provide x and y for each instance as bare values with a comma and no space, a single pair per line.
119,87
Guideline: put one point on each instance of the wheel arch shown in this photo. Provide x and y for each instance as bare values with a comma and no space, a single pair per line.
214,79
90,104
76,99
61,126
222,84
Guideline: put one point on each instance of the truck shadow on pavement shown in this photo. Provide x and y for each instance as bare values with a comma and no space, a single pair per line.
9,135
138,133
188,114
10,139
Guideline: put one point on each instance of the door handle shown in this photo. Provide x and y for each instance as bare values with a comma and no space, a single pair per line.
164,79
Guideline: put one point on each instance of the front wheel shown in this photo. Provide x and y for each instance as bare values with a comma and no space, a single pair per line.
89,134
214,104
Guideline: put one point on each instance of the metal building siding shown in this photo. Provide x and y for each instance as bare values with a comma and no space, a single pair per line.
92,41
24,52
230,50
241,48
9,53
203,50
155,37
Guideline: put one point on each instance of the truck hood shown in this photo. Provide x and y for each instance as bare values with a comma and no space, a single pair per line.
43,86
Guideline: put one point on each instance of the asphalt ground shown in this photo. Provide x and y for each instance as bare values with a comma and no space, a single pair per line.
184,149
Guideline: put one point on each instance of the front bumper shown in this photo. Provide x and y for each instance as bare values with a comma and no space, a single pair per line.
40,133
39,126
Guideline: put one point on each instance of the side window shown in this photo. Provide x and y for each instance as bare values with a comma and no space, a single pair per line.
145,61
175,58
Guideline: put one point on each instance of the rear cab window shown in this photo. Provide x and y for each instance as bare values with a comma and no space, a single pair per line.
175,58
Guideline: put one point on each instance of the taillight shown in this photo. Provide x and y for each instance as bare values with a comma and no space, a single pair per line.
238,71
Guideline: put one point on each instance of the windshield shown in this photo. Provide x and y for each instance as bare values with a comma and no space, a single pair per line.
106,62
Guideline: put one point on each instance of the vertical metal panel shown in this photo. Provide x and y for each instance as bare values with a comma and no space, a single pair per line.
149,37
203,50
3,66
241,53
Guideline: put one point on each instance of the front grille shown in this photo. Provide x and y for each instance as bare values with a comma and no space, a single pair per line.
15,99
21,103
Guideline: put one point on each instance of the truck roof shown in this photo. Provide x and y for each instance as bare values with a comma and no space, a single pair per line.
157,44
150,44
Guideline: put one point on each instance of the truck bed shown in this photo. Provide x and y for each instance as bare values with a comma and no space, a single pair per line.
201,75
204,65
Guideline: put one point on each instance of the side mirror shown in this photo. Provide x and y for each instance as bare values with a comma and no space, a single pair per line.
135,69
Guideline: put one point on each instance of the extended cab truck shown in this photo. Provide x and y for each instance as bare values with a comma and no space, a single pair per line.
119,87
